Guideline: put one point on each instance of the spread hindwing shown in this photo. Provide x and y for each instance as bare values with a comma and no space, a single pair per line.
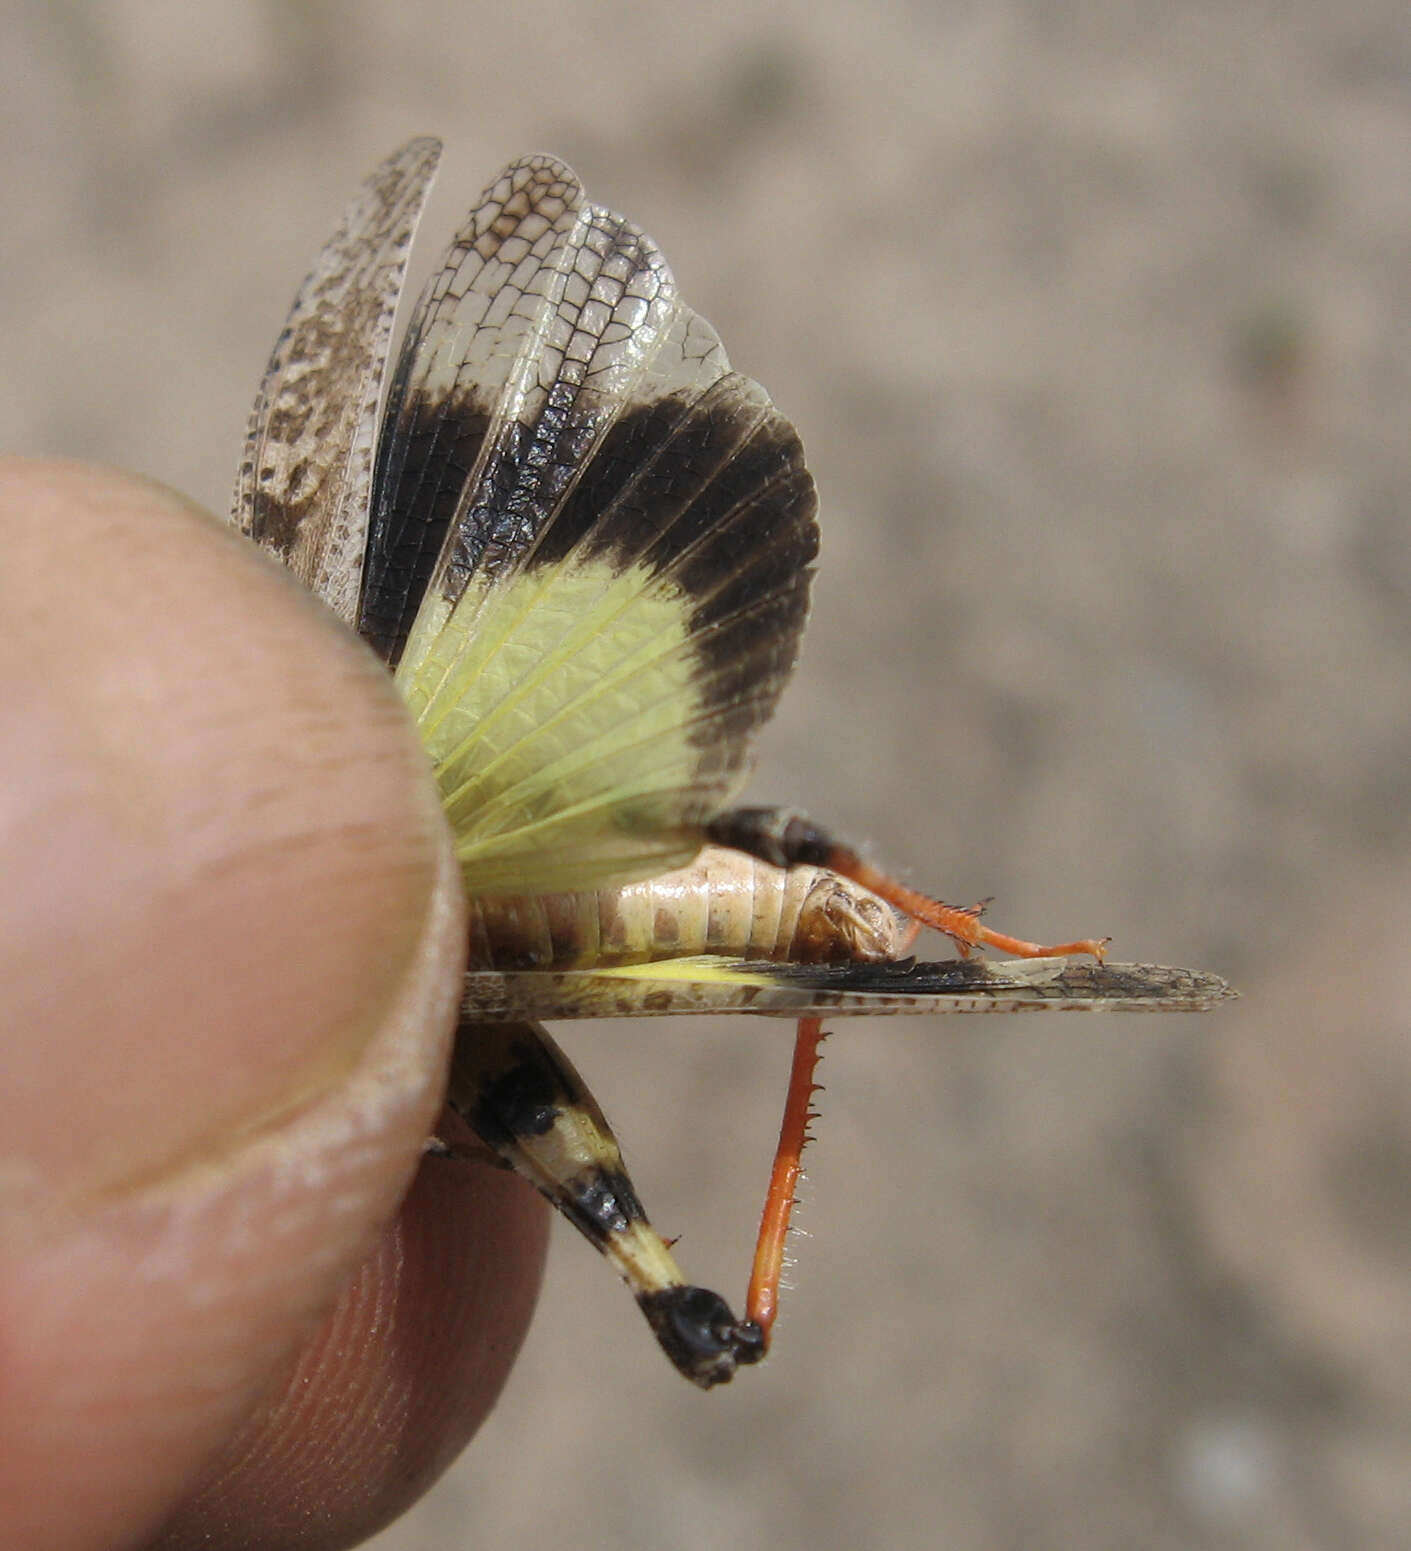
584,545
591,546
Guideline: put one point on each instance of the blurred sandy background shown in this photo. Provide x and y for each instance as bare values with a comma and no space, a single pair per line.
1096,321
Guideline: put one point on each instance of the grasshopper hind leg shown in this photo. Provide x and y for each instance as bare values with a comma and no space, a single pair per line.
784,838
520,1094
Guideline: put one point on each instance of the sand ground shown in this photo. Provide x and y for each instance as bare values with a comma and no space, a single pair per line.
1096,321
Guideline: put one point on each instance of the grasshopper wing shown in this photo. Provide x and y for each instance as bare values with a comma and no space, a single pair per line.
303,490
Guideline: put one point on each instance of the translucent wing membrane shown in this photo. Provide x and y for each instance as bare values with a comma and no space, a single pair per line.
591,546
303,488
473,345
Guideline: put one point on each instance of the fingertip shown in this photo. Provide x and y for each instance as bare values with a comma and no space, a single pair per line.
395,1381
220,842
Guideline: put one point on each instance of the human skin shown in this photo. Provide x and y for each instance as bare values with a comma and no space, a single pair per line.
232,1311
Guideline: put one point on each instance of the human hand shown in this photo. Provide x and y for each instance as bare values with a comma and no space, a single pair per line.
231,938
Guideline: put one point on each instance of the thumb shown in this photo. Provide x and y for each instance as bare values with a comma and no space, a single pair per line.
231,937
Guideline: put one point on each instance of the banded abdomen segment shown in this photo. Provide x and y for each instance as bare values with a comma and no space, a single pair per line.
724,903
513,1085
785,838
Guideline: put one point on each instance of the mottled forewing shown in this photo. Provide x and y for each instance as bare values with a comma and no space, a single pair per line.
303,492
714,985
610,536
